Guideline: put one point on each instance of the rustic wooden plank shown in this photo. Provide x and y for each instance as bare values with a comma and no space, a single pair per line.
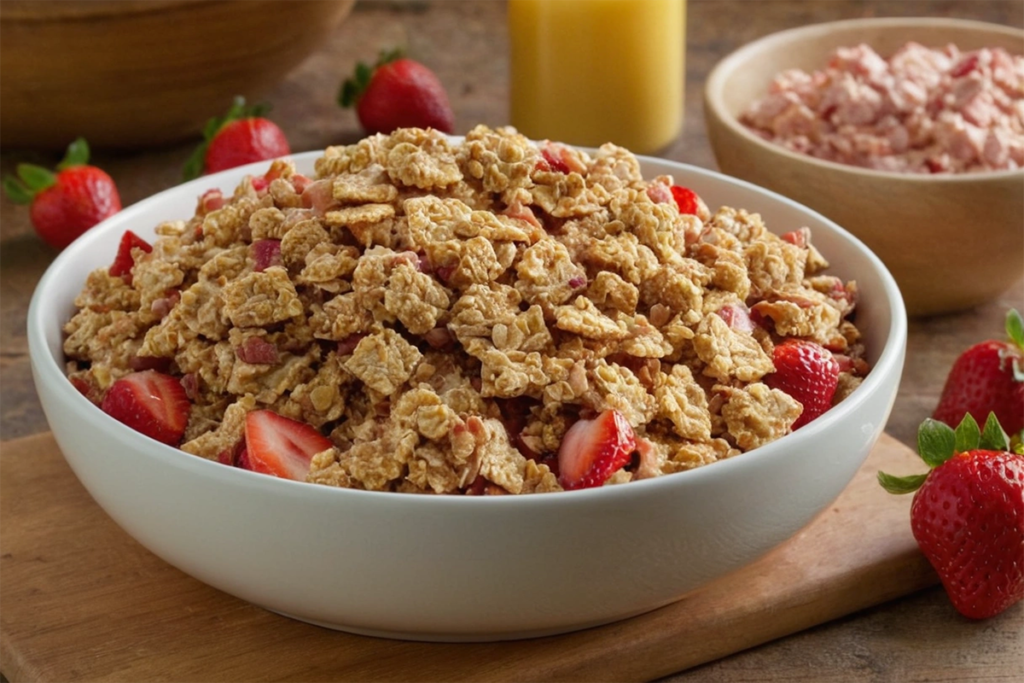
83,601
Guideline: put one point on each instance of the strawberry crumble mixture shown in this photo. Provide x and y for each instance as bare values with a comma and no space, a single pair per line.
485,317
921,110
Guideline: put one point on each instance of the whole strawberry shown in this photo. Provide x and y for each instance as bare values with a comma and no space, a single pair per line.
967,515
397,92
988,377
65,204
242,136
808,372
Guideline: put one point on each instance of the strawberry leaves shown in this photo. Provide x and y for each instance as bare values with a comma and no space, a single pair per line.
1015,332
196,163
937,442
31,179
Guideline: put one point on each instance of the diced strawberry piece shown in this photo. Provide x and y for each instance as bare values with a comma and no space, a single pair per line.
796,237
438,338
266,253
555,160
260,183
319,196
300,182
230,455
279,446
686,199
211,200
522,212
349,343
162,306
967,64
151,403
737,318
593,450
808,372
242,459
190,383
124,261
257,350
659,194
86,387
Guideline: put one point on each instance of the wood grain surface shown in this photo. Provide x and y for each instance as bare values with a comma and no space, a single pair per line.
916,638
83,601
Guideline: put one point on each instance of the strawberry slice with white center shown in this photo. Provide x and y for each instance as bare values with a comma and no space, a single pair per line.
593,450
151,403
280,446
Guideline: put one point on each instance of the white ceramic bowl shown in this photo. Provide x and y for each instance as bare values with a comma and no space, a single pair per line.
465,568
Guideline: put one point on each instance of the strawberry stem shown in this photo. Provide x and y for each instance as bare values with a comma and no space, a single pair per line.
77,154
1015,327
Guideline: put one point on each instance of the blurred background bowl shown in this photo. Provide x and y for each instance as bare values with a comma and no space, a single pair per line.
133,73
951,241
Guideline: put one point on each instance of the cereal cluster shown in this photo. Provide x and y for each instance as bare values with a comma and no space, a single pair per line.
444,311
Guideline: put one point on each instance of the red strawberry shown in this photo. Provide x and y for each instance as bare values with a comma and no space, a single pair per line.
124,261
279,446
397,92
66,204
149,402
242,136
686,199
968,513
593,450
808,372
988,377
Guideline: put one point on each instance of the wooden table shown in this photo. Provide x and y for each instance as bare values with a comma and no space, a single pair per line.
918,638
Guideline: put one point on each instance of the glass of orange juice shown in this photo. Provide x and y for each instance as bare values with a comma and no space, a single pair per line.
586,72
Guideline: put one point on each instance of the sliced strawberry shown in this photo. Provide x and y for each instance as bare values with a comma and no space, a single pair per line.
149,402
124,261
686,199
593,450
808,372
279,446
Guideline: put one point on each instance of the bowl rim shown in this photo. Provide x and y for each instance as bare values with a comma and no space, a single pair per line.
48,369
714,89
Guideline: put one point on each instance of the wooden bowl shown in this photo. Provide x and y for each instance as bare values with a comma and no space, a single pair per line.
134,73
951,241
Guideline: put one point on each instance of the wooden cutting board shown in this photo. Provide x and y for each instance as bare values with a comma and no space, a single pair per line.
83,601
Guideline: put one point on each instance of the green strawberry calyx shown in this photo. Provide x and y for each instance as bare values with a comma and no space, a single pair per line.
239,110
1015,331
937,442
354,87
31,179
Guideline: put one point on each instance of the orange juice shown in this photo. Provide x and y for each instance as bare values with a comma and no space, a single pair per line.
588,72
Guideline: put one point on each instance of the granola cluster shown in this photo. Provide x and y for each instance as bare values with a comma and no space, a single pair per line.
444,311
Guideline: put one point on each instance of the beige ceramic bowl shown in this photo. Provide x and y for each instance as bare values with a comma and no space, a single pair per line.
131,73
951,241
